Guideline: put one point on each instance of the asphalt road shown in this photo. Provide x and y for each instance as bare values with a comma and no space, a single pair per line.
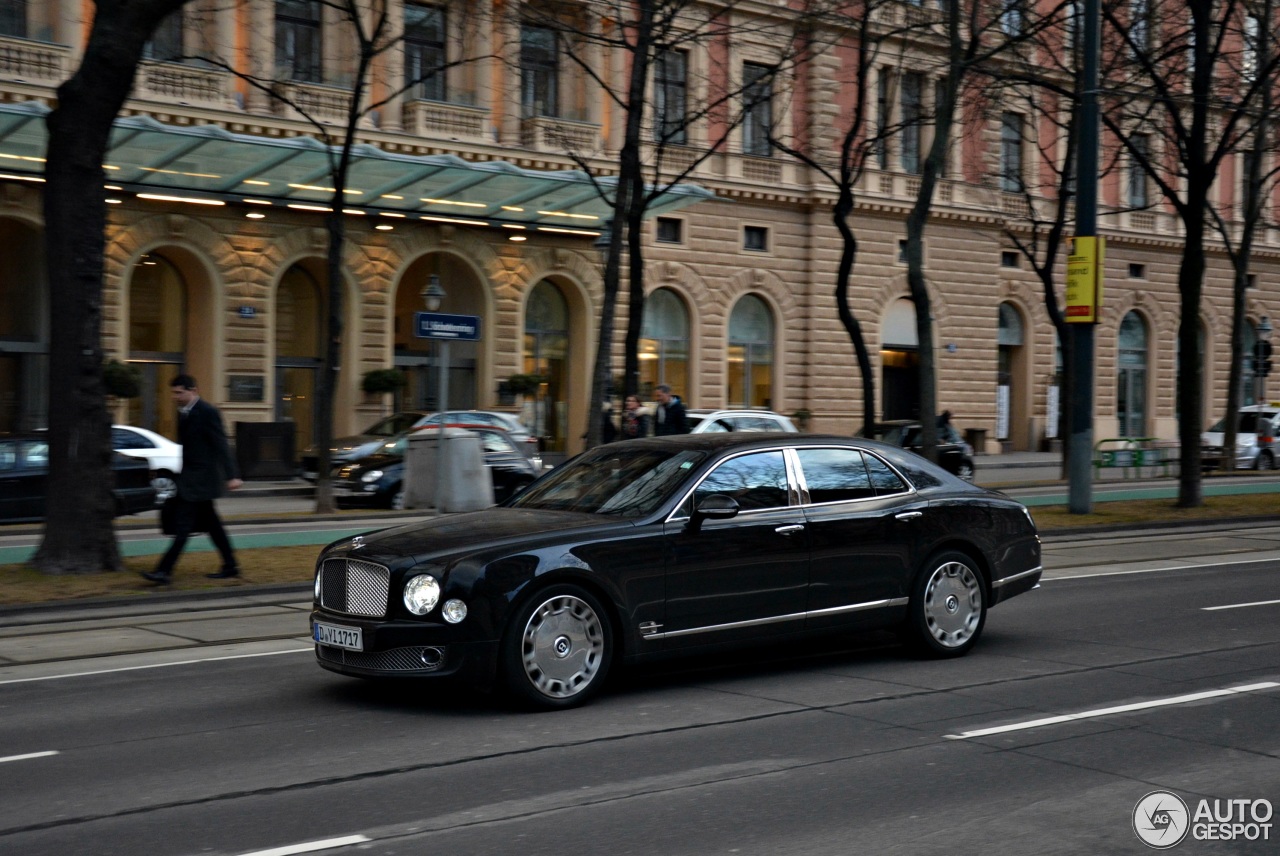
851,748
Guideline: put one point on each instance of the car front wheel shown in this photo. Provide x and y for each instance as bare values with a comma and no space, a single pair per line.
165,485
965,470
557,649
948,605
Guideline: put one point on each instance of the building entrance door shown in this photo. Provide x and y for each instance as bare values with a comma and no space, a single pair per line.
154,408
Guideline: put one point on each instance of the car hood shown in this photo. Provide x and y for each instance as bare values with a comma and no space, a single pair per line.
373,462
478,531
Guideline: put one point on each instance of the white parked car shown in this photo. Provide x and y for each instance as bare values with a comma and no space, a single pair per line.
1255,438
162,455
721,421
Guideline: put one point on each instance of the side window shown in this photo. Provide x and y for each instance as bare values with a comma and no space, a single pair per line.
883,479
37,455
8,455
492,441
124,439
756,481
835,475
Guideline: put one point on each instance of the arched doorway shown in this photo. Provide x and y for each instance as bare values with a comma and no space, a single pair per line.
1131,377
416,357
300,313
900,362
750,375
547,351
24,329
1012,407
664,344
157,339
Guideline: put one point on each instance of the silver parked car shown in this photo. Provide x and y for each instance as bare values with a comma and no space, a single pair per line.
721,421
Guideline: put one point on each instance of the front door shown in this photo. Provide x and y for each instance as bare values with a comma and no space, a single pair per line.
737,579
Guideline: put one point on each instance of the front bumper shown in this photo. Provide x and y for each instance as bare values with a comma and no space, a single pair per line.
408,649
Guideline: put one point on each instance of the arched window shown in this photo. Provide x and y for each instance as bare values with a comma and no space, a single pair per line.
299,315
546,353
664,344
750,354
157,339
1131,376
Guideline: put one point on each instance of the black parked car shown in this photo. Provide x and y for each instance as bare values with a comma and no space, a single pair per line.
24,474
955,455
657,547
378,479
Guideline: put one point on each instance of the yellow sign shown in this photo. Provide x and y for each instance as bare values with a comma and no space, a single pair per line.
1084,279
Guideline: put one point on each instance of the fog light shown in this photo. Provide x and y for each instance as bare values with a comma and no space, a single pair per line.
454,611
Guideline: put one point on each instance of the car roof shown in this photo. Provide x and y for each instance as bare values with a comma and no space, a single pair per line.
734,412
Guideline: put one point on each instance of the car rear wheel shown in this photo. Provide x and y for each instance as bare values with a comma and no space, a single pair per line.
397,497
165,485
557,649
948,605
1266,461
965,470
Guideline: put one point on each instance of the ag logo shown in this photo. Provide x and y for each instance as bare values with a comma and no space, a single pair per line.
1161,820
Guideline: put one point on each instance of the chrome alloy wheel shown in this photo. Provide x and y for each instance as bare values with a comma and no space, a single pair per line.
953,604
562,647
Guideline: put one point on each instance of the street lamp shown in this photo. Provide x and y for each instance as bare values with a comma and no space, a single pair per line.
432,296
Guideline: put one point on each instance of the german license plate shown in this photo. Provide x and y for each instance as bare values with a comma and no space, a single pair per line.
337,636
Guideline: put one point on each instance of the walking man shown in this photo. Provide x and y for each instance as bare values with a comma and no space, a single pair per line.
669,417
207,466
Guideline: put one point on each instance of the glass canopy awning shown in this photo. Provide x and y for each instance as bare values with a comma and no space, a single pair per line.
209,164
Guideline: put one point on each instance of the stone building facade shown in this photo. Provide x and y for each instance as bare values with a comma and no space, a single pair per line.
740,309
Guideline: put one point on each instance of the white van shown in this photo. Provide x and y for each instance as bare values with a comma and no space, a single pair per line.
1255,438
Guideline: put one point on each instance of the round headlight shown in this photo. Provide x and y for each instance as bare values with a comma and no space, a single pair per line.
371,476
453,610
421,594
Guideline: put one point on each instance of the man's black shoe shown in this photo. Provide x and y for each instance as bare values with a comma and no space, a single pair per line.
156,576
224,574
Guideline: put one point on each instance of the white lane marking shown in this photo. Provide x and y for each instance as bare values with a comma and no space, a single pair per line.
156,666
311,846
1240,605
1107,711
1201,567
29,755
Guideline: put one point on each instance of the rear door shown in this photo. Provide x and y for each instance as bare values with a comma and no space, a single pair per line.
863,521
745,577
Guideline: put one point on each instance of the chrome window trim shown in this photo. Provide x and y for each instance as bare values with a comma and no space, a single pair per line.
910,491
675,515
776,619
1015,577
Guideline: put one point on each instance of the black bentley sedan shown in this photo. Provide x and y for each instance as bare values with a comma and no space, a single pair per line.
657,547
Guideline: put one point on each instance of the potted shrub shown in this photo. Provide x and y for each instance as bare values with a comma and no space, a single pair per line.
121,380
524,384
801,417
382,381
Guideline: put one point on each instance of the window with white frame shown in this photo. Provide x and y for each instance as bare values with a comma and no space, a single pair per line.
1250,60
1012,17
882,118
912,84
13,18
671,97
424,52
1140,24
1011,152
1139,154
299,40
757,101
539,71
166,40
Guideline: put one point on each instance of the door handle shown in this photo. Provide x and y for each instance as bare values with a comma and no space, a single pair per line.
908,516
790,529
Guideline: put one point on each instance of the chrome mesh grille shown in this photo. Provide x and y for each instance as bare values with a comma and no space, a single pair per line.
354,587
395,660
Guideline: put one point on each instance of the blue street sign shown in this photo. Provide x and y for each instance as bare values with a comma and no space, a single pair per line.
438,325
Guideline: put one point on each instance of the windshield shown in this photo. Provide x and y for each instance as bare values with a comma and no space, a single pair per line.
625,482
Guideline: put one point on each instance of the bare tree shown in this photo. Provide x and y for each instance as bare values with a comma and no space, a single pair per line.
1185,100
658,149
79,537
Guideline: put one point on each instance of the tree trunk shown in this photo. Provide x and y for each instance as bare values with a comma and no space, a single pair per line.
848,257
79,536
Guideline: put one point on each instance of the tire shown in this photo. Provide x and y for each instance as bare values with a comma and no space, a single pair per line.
1265,461
948,606
395,498
557,649
165,484
965,470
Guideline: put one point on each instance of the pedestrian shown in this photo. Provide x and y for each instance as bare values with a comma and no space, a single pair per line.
669,415
207,468
947,432
608,430
635,419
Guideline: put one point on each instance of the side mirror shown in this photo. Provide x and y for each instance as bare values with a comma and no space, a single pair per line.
718,506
